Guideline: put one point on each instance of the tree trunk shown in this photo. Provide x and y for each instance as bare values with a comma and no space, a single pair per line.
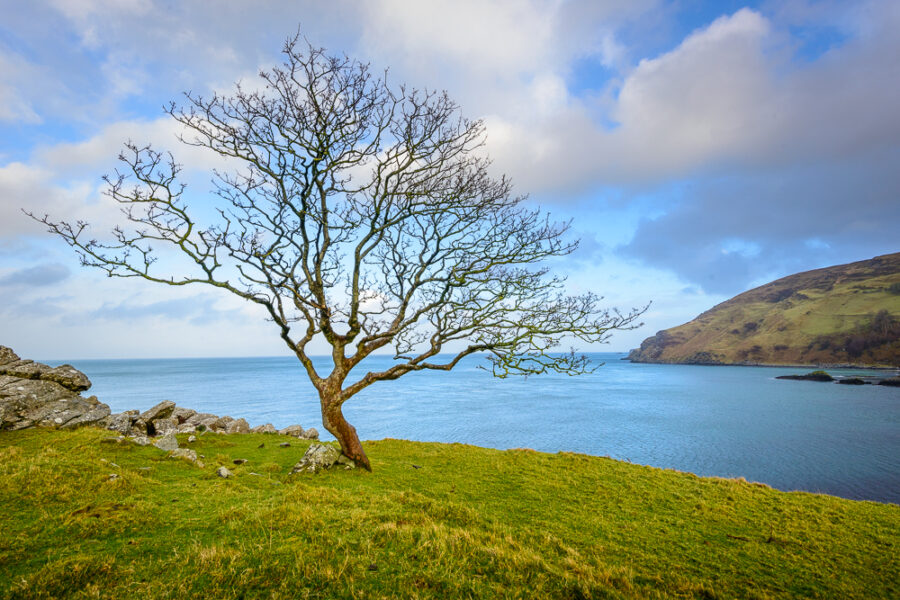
334,421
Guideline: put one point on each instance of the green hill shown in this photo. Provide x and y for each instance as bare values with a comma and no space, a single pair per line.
842,315
83,516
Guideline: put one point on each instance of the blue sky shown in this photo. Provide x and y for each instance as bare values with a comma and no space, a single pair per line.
701,148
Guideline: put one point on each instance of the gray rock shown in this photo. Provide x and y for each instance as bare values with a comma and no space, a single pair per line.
293,431
310,434
164,426
186,428
186,453
139,427
122,421
221,423
36,395
141,440
183,414
160,411
317,458
208,423
197,418
192,439
238,426
167,442
267,428
345,461
284,445
223,472
239,461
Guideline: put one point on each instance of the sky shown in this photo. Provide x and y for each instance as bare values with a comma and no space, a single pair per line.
699,148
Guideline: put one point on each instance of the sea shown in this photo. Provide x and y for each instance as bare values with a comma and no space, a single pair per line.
721,421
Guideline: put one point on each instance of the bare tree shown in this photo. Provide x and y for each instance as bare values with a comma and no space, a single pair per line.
360,213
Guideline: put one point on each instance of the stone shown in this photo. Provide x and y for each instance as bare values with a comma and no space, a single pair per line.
139,427
284,445
238,426
207,424
160,411
186,428
239,461
167,442
37,395
345,461
185,453
293,431
267,428
192,439
310,434
223,472
141,440
122,421
183,414
317,458
221,423
164,426
198,418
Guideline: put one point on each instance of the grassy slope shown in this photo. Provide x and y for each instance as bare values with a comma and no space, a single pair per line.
471,522
783,321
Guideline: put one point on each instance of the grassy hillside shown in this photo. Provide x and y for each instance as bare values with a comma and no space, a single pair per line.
848,314
468,523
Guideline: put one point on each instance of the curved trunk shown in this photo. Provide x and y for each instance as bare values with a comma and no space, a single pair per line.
333,420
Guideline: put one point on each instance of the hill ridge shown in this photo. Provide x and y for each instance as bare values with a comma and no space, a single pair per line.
846,314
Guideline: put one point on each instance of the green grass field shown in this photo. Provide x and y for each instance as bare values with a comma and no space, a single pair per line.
469,523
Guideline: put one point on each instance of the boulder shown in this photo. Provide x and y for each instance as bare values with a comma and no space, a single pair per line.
198,418
160,411
139,427
183,414
167,442
122,421
141,440
293,431
185,453
164,426
317,458
221,423
223,472
238,426
207,423
37,395
267,428
310,434
890,381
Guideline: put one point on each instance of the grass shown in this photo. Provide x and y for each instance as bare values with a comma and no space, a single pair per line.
469,523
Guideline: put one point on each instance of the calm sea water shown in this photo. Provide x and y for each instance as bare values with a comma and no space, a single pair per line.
722,421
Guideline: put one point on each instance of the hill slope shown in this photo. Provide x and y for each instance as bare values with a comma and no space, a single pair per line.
846,314
83,517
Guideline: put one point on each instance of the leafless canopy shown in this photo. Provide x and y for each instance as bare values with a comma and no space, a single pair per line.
359,212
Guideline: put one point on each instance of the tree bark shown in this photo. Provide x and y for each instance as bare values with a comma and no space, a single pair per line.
333,420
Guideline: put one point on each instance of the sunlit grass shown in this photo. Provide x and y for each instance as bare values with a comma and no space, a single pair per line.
470,522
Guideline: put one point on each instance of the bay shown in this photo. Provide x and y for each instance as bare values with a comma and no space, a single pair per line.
707,420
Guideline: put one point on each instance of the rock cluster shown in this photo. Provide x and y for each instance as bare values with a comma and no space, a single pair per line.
36,395
166,417
319,457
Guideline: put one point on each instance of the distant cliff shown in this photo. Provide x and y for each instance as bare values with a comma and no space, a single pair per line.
846,314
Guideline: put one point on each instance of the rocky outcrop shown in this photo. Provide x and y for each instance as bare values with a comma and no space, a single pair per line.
320,457
37,395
